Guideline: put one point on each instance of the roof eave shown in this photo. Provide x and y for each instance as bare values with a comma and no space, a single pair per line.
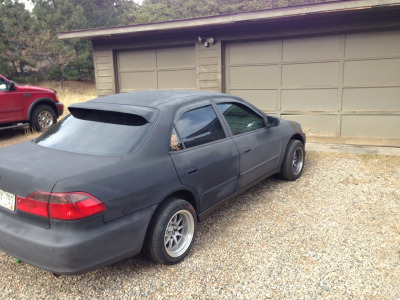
288,12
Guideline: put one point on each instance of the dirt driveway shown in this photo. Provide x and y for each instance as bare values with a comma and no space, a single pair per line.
334,233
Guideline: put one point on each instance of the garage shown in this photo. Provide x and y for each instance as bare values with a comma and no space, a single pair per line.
330,84
163,68
334,67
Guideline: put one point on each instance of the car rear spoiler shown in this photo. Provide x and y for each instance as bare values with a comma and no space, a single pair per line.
149,114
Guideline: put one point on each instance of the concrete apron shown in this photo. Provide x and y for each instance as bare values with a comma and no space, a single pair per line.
352,149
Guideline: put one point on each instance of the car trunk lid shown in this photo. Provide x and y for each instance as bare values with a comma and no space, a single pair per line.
23,174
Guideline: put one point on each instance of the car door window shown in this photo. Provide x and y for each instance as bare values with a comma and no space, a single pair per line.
199,126
240,118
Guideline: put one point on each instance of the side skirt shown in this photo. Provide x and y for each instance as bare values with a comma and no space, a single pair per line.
205,213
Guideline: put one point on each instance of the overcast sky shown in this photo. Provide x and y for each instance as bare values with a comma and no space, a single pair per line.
29,5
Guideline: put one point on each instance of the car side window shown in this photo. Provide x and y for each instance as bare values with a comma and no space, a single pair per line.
240,118
3,85
199,126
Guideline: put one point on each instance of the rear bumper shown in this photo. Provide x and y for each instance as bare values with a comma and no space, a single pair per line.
73,247
60,109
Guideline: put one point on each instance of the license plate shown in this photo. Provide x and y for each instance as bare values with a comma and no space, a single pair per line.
7,200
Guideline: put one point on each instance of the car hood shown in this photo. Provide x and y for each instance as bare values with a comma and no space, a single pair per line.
31,88
27,167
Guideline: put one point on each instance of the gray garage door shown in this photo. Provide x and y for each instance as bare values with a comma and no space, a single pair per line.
166,68
345,85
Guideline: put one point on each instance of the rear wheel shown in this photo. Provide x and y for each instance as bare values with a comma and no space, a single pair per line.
171,233
43,116
293,162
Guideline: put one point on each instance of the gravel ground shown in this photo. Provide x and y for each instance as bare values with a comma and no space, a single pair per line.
334,233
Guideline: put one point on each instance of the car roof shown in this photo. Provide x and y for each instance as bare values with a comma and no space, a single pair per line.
155,98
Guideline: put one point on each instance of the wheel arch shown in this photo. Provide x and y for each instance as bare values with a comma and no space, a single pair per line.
184,194
295,136
298,137
40,101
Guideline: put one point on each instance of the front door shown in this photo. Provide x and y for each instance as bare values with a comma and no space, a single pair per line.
259,146
11,104
204,157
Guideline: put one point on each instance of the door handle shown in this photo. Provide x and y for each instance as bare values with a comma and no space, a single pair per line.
246,150
191,171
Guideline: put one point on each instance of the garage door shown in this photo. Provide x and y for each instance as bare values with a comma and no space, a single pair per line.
343,86
166,68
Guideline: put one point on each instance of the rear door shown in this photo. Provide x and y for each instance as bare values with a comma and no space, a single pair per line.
259,146
205,158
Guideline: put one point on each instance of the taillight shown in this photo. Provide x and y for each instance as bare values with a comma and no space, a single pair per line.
61,206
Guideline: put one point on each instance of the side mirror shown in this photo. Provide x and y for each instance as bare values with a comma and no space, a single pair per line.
272,121
11,86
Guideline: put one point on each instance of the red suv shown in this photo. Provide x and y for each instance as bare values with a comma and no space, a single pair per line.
28,105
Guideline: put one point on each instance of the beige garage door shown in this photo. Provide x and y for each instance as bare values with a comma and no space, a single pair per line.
166,68
342,87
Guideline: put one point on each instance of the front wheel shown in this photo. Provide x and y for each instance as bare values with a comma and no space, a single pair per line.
43,116
293,162
172,232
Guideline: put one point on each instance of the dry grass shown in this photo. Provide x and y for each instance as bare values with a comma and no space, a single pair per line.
72,92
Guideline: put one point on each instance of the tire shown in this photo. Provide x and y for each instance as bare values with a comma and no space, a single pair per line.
171,233
293,162
43,116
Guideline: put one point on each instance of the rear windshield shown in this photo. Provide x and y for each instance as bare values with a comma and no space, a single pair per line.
94,132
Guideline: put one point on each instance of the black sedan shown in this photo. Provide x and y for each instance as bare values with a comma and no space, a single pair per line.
135,172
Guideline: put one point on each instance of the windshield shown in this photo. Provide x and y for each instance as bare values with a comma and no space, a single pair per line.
96,133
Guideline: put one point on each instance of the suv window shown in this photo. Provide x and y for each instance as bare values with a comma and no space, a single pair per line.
240,118
199,126
3,85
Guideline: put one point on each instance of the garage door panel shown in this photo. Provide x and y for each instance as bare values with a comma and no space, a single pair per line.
379,71
313,48
373,44
315,125
176,79
176,57
163,68
371,99
377,126
309,100
254,76
311,74
341,85
137,81
254,52
266,100
136,60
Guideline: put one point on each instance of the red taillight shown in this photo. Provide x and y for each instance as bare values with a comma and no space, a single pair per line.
61,206
35,204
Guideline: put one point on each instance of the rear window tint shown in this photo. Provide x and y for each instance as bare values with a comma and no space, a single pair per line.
199,126
96,133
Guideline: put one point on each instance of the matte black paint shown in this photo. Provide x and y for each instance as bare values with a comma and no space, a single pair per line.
131,186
